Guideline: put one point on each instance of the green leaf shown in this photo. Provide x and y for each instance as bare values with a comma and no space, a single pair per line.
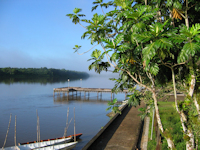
114,100
108,108
70,15
94,7
195,29
77,10
147,16
114,57
144,37
76,48
118,39
169,3
96,53
124,77
189,49
163,43
178,39
154,69
177,5
149,52
124,47
197,38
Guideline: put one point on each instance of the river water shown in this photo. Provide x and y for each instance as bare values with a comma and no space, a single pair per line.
23,99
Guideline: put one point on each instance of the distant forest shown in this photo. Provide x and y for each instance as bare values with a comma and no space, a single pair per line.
39,75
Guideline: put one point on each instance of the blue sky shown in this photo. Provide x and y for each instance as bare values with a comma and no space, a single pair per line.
37,33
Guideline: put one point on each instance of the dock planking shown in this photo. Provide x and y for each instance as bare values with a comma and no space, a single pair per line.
69,89
88,90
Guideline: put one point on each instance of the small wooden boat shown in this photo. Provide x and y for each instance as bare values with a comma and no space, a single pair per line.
15,148
57,140
45,143
66,146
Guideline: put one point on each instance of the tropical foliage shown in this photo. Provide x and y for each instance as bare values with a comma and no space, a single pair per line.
152,44
42,75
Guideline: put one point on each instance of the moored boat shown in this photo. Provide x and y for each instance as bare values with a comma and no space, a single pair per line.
66,146
45,143
59,139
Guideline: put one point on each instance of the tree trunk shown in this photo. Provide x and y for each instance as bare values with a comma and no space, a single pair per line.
169,141
190,143
145,1
170,15
196,104
192,86
159,19
186,15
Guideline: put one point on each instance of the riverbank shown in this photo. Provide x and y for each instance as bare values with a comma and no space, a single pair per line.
120,133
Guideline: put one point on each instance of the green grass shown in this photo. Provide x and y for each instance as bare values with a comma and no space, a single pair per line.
170,120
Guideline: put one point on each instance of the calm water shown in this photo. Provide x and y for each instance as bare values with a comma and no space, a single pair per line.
23,99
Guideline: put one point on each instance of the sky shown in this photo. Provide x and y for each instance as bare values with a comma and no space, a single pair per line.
37,33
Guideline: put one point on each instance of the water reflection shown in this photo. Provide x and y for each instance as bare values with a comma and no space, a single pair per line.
79,97
22,99
41,80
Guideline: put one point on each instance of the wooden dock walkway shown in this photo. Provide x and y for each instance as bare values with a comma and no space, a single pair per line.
70,89
86,90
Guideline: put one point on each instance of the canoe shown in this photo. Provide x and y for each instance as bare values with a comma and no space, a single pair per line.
15,148
70,136
45,143
66,146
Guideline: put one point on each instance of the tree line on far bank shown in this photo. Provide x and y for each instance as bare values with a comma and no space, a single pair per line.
40,74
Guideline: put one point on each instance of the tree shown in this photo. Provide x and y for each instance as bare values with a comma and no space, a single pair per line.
145,43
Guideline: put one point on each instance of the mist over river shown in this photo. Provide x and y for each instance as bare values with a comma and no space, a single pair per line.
23,99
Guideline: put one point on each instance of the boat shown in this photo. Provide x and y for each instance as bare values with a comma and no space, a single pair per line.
45,143
66,146
56,140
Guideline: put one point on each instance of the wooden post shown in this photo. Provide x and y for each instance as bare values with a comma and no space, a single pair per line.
15,130
7,132
97,95
74,127
84,95
125,95
67,95
63,94
111,96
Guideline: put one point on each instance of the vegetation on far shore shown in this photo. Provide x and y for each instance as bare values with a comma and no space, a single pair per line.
42,75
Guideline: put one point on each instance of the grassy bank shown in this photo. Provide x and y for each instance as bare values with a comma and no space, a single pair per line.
170,120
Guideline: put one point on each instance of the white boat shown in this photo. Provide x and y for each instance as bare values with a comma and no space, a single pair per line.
45,143
15,148
38,144
66,146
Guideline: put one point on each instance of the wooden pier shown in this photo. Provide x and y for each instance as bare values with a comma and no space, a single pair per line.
86,91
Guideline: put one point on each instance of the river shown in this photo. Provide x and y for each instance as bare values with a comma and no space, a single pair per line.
23,99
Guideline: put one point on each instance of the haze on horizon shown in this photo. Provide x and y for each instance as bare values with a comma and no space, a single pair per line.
35,34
